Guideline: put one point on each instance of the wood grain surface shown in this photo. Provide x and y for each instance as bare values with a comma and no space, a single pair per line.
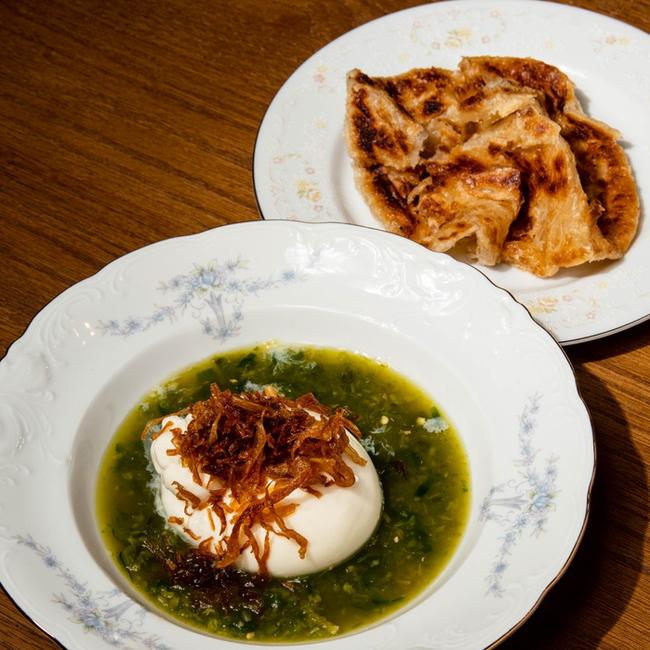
126,122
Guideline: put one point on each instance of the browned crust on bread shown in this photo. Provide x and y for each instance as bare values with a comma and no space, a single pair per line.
379,131
607,179
505,134
555,90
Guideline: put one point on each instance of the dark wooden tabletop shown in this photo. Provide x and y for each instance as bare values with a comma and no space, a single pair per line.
123,123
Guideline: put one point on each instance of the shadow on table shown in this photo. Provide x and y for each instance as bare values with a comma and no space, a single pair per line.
594,592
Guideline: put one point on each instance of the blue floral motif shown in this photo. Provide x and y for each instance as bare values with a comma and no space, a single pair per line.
102,613
521,504
215,295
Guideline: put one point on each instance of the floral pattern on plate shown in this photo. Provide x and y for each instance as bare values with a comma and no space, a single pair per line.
523,503
109,614
216,289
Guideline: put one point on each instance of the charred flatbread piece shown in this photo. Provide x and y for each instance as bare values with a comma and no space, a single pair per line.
465,199
498,153
606,178
379,130
555,227
603,168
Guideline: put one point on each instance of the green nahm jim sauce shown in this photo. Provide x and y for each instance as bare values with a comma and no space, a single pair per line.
416,452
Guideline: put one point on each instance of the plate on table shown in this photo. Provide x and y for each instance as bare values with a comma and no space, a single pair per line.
90,354
302,170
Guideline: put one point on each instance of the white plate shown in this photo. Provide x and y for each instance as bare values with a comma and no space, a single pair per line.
92,352
302,171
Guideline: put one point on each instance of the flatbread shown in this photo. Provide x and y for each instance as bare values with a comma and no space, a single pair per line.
498,155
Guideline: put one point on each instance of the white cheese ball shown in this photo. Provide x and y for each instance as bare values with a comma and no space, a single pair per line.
336,525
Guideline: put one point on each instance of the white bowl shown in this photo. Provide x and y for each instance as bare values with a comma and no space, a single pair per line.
93,351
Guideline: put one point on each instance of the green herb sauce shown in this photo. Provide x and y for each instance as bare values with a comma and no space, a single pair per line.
418,456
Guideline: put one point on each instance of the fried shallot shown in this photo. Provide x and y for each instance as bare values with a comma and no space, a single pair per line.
258,447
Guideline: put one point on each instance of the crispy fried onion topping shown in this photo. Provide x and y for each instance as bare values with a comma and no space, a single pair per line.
262,446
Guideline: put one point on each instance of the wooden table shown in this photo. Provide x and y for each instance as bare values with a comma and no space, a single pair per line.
123,123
